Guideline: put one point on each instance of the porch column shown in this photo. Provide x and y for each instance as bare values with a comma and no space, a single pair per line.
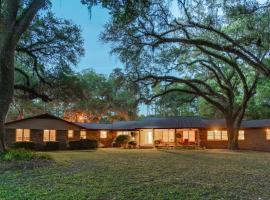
139,142
175,140
198,137
153,143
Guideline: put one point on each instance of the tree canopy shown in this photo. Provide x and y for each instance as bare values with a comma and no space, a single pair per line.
207,49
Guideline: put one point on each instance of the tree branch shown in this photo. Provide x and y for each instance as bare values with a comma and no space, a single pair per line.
33,94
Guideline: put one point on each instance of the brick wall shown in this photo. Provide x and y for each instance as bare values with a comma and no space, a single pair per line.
36,136
210,144
255,139
107,142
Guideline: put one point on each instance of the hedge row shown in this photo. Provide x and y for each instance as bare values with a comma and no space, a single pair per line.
83,144
54,145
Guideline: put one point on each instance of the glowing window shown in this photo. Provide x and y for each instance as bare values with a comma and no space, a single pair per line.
49,135
22,135
189,135
83,134
268,134
241,135
224,135
217,135
70,133
210,135
103,134
123,133
185,135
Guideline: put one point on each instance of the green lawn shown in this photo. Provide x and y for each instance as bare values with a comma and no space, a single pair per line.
143,174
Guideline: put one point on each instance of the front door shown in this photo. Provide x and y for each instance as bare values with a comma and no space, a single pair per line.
146,137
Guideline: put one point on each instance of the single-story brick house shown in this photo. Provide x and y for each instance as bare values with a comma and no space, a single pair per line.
149,132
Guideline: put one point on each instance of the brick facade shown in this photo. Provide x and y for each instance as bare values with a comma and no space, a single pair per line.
254,131
255,139
36,136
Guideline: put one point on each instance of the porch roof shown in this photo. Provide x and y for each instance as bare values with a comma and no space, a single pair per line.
171,122
95,126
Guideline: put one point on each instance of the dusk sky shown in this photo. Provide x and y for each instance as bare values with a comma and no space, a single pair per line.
97,54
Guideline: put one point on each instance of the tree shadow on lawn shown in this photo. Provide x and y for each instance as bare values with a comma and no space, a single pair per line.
24,164
218,154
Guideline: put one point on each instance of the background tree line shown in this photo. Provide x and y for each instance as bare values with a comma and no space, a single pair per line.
86,96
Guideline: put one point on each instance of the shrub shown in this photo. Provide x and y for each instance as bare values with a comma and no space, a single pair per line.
132,144
122,140
83,144
20,154
52,145
24,145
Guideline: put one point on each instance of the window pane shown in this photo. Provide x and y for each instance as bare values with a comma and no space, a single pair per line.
26,134
224,135
103,134
191,136
123,133
217,135
171,135
83,134
46,135
70,133
52,135
268,134
241,135
210,135
165,136
157,134
185,135
19,135
119,133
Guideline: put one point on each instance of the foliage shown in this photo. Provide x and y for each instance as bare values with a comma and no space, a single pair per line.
95,98
19,154
45,55
132,144
51,145
205,50
175,104
24,145
122,139
259,106
83,144
104,98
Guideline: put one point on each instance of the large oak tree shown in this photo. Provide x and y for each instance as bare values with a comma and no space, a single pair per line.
185,51
15,18
40,48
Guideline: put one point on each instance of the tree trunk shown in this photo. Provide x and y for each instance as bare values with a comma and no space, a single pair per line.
232,132
6,90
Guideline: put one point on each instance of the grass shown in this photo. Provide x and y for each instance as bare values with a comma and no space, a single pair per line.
21,154
15,159
143,174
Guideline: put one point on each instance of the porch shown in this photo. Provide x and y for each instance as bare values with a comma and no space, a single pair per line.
149,138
